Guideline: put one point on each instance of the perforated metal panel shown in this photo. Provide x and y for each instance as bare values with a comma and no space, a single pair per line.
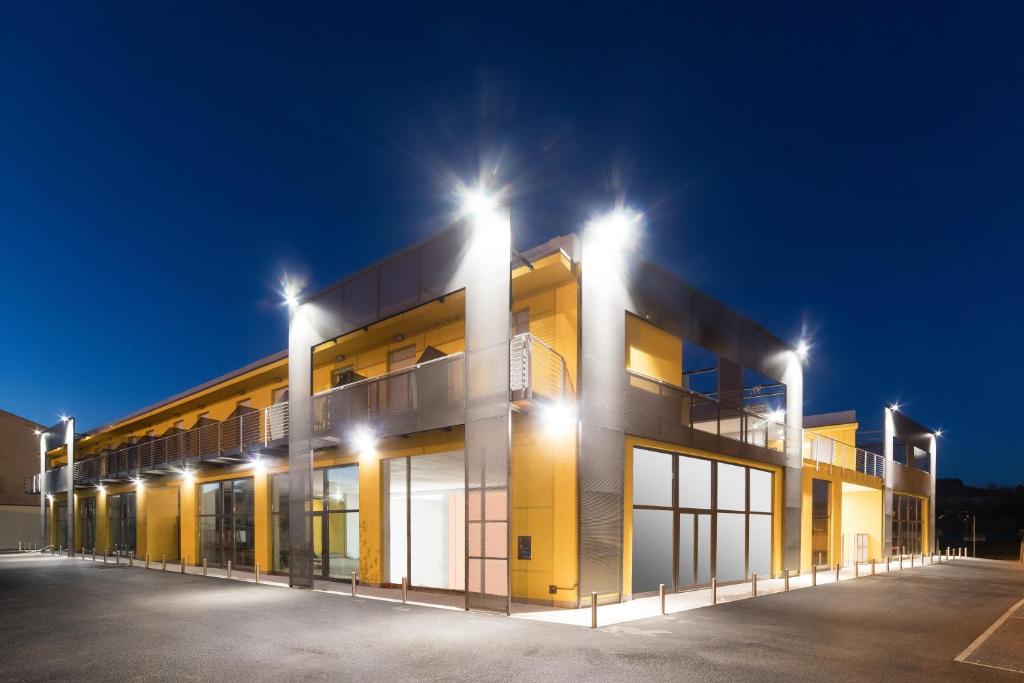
488,416
602,423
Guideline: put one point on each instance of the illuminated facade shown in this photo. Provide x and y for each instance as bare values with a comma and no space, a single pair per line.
502,428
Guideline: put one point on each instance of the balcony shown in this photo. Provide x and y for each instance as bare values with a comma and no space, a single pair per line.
217,443
823,451
429,395
537,371
666,412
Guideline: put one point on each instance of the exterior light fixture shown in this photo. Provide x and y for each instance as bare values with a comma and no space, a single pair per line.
777,416
64,418
49,496
257,464
364,440
895,407
37,432
290,291
938,433
617,229
477,201
803,349
101,488
559,416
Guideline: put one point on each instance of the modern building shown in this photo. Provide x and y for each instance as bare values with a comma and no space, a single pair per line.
502,427
19,508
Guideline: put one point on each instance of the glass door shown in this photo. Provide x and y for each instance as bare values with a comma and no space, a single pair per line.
694,550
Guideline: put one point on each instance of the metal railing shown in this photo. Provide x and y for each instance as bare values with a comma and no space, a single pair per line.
429,395
243,432
673,413
536,369
823,450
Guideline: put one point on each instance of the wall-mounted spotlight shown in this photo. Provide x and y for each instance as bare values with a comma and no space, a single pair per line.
364,440
617,229
37,432
776,416
895,407
559,416
938,433
477,201
803,349
64,418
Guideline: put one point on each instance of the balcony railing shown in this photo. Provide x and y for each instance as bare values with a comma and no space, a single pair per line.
825,451
430,395
245,432
668,412
537,370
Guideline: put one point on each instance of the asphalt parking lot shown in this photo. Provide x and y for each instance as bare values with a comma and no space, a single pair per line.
66,618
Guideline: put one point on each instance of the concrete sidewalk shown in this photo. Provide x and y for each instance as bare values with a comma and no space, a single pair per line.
610,614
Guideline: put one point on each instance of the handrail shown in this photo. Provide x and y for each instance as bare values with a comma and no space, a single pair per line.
825,450
239,432
388,375
687,390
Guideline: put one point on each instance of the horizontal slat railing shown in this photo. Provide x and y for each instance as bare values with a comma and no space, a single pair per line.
537,370
243,432
827,451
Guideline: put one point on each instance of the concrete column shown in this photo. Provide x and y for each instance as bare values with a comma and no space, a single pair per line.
932,461
42,488
792,500
69,442
602,389
888,431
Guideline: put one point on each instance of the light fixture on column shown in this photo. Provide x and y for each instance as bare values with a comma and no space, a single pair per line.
616,230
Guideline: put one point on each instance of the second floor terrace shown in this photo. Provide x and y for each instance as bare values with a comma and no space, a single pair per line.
240,438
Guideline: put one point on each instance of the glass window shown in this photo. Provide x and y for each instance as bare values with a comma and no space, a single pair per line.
760,491
732,487
652,556
397,507
730,542
694,483
652,478
761,545
343,488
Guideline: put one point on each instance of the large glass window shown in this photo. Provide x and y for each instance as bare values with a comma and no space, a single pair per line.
121,521
279,484
227,523
426,520
87,516
821,521
694,519
907,535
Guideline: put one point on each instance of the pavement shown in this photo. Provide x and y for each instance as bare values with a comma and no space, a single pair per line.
66,618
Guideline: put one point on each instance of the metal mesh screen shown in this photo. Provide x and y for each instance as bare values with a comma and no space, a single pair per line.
488,415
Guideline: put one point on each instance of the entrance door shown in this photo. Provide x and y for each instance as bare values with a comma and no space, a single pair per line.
821,522
694,550
426,521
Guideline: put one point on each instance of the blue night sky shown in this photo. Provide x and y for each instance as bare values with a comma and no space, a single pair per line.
855,171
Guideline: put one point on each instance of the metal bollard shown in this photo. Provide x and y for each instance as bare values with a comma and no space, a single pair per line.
405,590
184,561
837,572
94,553
229,569
856,569
19,546
147,560
104,557
887,559
131,558
911,560
753,585
353,584
785,579
872,566
661,596
117,557
814,574
163,563
901,563
257,572
714,591
204,566
593,608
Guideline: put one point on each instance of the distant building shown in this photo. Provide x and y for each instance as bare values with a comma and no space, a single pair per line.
19,508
